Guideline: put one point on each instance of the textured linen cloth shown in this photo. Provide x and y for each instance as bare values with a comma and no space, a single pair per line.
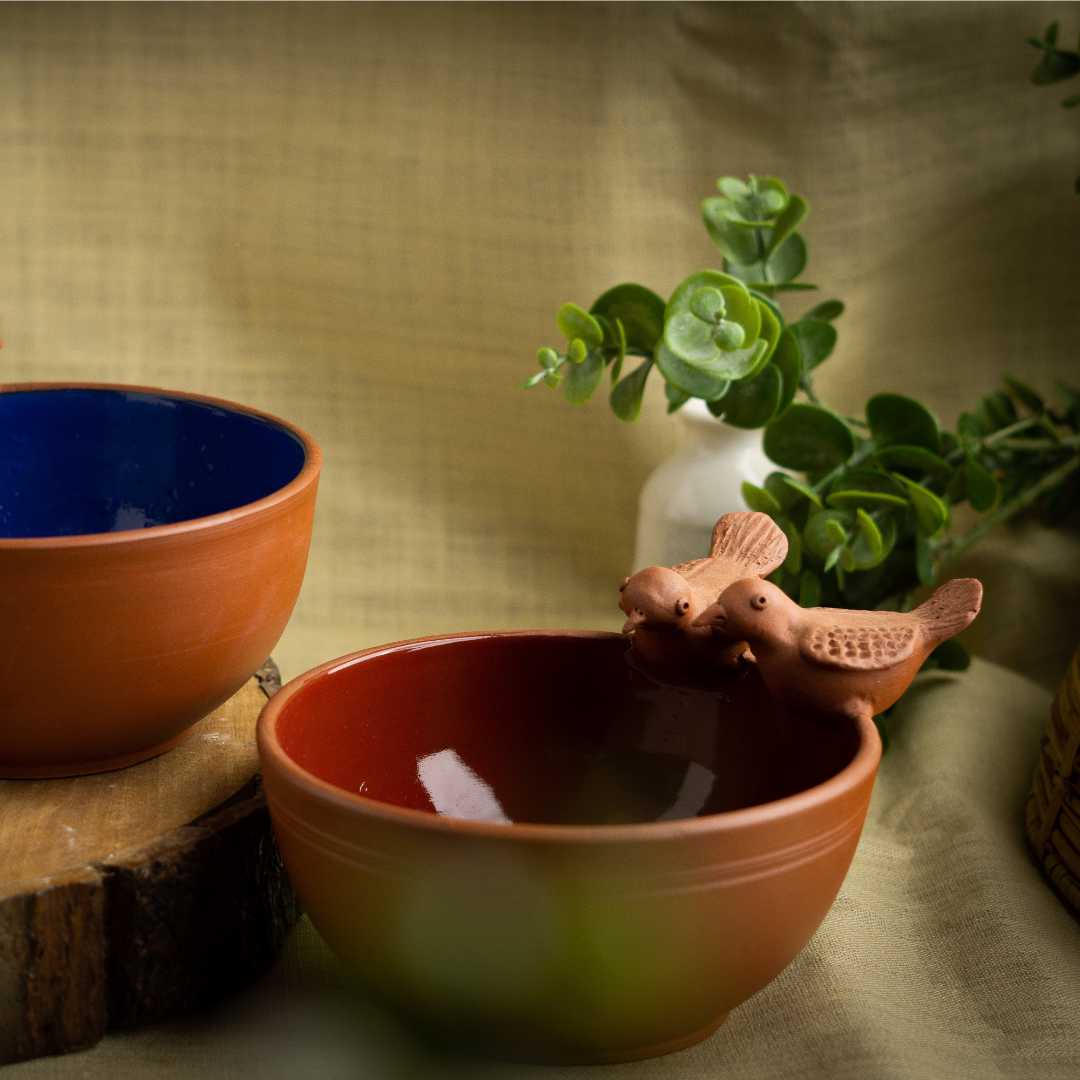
363,217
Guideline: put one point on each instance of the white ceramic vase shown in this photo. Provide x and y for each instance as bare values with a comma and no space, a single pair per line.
684,495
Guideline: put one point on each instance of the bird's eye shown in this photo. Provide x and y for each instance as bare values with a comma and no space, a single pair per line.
626,581
758,603
682,607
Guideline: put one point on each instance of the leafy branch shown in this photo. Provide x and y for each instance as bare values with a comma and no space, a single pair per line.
1055,65
866,501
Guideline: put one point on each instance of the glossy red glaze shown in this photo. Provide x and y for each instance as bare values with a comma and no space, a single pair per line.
638,859
483,727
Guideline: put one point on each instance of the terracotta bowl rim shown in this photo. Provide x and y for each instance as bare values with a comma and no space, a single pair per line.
859,770
308,473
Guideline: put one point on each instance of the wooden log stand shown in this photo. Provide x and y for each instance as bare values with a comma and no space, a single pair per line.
132,896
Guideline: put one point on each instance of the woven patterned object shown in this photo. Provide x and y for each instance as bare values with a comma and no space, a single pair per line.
1053,810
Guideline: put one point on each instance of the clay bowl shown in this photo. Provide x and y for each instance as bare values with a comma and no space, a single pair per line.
152,545
522,842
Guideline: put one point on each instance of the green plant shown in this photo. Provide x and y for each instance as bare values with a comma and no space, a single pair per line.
1054,65
866,501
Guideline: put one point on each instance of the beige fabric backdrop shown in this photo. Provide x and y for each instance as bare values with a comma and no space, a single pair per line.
363,218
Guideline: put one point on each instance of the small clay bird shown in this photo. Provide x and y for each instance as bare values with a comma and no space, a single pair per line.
830,659
661,603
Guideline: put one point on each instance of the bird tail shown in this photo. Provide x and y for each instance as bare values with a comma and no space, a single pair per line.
752,539
952,608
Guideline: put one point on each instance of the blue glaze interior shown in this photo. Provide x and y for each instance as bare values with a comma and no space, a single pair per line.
92,461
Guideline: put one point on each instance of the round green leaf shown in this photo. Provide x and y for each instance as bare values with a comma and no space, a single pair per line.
582,379
708,303
676,398
728,335
788,261
691,339
816,341
996,411
826,530
930,512
950,656
793,559
640,311
896,420
826,311
576,322
547,358
916,458
619,334
733,187
864,498
736,238
868,548
787,221
797,489
578,351
866,478
1023,393
924,564
808,438
760,499
788,361
627,393
741,306
751,403
743,309
809,589
983,490
770,329
692,381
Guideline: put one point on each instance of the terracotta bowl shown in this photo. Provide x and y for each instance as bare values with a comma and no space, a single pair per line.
522,842
152,545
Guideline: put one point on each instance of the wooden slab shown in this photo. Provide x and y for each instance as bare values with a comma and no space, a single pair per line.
135,895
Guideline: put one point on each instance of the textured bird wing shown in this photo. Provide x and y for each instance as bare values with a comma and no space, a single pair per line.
951,609
710,577
858,640
744,544
688,569
751,541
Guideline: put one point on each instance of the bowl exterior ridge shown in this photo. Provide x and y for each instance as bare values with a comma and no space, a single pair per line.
559,942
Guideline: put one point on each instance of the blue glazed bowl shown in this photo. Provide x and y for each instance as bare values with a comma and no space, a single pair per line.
93,460
152,546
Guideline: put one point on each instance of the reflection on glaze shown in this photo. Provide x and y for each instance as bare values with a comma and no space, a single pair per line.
456,791
694,794
131,517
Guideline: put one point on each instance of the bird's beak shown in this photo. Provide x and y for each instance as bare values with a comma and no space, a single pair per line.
632,623
715,617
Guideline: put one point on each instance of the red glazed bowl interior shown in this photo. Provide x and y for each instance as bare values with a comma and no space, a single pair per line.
551,729
519,840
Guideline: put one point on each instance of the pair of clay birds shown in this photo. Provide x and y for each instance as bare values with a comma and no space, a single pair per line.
687,620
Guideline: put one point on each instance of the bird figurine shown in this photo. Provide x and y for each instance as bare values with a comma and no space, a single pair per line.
830,659
661,602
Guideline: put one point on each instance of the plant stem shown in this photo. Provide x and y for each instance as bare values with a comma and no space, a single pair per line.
1012,429
860,455
955,546
1040,444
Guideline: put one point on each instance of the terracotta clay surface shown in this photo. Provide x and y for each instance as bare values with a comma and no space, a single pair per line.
837,661
662,603
522,841
132,896
113,643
